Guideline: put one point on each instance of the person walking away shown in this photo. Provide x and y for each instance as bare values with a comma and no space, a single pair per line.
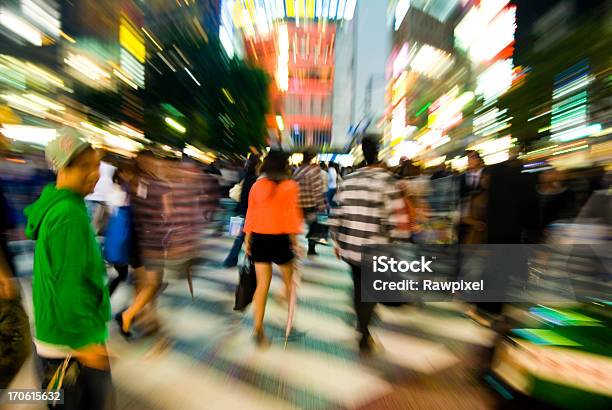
312,197
332,184
194,195
248,180
469,182
475,219
512,218
70,295
273,221
151,199
370,211
14,323
120,197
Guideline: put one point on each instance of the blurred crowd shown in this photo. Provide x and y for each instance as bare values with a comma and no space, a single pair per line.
148,216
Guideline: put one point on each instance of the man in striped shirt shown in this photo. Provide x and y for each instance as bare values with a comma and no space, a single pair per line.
312,197
371,211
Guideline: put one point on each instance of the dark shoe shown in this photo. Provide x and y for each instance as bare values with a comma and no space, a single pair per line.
261,340
312,252
368,346
119,319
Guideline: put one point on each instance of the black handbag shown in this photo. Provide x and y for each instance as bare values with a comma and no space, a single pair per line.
247,284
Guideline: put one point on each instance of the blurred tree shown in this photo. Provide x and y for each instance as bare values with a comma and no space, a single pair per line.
223,101
589,40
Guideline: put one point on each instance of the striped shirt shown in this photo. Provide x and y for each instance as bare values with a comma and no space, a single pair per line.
311,187
371,211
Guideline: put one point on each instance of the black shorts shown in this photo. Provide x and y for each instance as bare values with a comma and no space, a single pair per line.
271,248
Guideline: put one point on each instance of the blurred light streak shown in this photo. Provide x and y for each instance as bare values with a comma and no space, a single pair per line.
44,74
540,150
401,9
282,71
290,7
423,109
23,104
490,8
431,62
280,123
572,87
28,133
41,17
228,95
86,67
602,132
175,125
166,61
155,43
434,162
310,8
132,132
67,37
131,67
123,143
44,102
325,9
192,77
565,151
205,157
123,78
198,27
495,80
350,9
318,9
482,37
401,60
20,27
576,133
539,115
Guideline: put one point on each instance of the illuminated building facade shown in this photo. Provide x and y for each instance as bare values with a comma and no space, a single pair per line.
450,63
294,42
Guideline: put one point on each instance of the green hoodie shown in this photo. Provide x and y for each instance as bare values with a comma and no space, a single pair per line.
70,293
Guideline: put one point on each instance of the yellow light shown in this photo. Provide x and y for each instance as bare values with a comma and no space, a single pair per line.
290,8
152,39
132,41
67,37
310,6
173,124
280,123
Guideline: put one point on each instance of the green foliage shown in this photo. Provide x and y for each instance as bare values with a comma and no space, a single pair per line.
225,113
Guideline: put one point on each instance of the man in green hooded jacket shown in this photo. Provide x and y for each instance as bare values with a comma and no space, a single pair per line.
70,292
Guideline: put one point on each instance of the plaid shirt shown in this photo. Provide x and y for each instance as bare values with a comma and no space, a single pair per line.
311,187
371,211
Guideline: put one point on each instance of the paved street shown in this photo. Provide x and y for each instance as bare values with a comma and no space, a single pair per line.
432,359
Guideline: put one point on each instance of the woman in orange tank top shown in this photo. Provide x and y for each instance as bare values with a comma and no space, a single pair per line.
272,223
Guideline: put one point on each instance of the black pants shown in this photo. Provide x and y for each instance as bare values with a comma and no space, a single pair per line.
93,389
122,274
15,341
363,310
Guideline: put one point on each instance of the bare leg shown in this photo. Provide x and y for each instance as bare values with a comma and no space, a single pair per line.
149,284
287,271
264,276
